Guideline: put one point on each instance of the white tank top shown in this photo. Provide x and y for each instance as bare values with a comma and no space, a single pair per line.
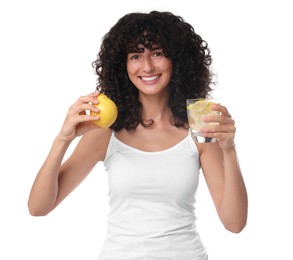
151,197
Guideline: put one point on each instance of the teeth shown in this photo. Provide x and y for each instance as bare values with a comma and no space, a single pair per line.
149,78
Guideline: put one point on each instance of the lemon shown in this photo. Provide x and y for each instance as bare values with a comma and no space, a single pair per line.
199,109
203,107
108,111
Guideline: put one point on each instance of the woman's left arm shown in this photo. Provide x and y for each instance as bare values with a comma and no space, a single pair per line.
222,171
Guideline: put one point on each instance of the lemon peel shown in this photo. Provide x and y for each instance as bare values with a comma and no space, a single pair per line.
108,111
199,109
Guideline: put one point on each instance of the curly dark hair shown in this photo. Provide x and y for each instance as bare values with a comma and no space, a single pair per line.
189,53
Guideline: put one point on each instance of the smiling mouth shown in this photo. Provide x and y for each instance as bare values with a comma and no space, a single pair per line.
149,78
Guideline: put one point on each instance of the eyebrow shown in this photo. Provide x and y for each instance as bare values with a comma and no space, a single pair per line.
140,50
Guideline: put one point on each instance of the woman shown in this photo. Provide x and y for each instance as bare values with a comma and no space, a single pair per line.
148,64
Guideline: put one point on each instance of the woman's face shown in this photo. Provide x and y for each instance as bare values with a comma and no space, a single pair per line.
149,70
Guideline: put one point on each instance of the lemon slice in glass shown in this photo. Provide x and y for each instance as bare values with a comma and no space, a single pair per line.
199,109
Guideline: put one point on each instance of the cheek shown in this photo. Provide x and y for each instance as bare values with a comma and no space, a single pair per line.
169,70
131,69
167,66
131,74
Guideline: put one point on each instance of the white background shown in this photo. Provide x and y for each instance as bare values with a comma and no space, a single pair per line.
46,50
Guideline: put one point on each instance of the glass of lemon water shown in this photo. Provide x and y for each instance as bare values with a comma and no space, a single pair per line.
196,110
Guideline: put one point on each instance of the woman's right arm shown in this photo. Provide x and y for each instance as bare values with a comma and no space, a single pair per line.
55,179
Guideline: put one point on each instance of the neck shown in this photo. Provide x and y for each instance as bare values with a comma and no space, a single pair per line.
155,107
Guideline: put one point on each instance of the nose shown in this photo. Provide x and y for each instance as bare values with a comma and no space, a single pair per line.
148,65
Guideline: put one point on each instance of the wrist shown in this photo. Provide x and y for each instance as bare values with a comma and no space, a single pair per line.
62,140
230,153
228,147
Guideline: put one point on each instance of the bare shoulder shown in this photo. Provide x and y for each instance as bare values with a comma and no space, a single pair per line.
93,144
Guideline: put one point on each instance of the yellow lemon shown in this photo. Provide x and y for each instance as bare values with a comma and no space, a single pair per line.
199,109
108,111
203,107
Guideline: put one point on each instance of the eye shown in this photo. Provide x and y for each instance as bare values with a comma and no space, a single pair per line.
158,54
134,57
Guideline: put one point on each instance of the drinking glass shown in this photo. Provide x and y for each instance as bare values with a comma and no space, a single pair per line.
196,109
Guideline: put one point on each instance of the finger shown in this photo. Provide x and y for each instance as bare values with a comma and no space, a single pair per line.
81,108
94,94
85,118
221,119
218,129
91,98
222,109
78,119
88,99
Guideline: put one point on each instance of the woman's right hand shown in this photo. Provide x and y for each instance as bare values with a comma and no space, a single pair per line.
77,121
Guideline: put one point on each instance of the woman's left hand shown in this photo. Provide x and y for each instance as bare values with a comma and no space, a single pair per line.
224,131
